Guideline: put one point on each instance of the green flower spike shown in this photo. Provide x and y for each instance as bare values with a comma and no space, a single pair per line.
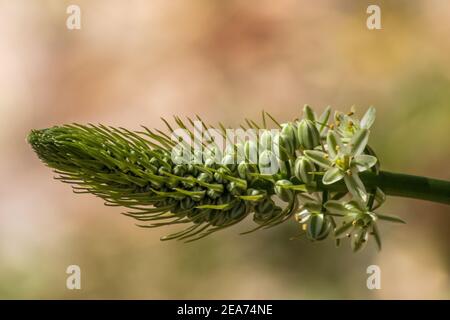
272,178
345,161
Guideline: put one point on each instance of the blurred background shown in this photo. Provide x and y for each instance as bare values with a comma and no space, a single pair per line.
135,61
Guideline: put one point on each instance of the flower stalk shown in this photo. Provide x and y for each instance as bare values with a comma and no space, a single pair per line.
401,185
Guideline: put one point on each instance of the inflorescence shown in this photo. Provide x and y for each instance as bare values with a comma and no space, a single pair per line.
281,173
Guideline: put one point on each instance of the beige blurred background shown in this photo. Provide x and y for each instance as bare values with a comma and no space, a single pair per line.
135,61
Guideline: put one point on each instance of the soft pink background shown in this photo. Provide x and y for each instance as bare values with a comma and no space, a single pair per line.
135,61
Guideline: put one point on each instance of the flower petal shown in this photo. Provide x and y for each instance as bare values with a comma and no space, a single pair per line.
376,235
318,157
344,229
335,207
355,186
323,119
332,175
380,198
358,142
390,218
334,144
312,207
364,162
368,118
303,216
359,241
355,206
309,113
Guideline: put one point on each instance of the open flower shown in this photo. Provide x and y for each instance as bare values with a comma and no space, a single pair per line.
347,126
345,161
361,222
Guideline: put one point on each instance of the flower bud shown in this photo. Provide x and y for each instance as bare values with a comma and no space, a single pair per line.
308,113
213,194
179,170
234,188
244,170
303,167
205,177
268,163
318,227
251,151
213,152
186,203
266,140
265,207
188,184
255,192
218,176
285,146
229,161
307,134
285,167
192,169
238,211
283,193
210,163
289,130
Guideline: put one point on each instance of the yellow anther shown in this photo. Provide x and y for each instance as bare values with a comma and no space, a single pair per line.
304,227
331,126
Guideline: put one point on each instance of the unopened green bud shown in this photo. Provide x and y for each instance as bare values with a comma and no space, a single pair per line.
318,227
307,134
179,170
235,188
285,167
213,194
238,211
229,161
268,163
245,169
289,130
266,140
286,146
205,177
283,193
265,207
251,151
303,168
308,113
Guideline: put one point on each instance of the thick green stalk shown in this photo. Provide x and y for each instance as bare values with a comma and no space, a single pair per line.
402,185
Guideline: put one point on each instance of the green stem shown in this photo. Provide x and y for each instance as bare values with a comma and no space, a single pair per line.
401,185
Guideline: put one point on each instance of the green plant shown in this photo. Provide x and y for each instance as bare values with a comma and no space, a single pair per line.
327,176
